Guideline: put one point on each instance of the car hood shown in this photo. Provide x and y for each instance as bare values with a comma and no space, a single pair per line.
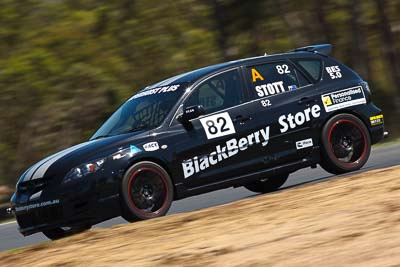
61,162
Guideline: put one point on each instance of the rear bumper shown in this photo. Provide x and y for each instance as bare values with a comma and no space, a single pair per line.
374,120
377,133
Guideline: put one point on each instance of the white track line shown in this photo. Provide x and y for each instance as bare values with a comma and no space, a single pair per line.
7,223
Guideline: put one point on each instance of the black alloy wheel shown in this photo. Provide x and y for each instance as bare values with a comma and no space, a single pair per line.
346,144
147,192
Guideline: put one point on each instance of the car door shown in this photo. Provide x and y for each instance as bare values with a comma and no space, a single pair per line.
218,146
285,100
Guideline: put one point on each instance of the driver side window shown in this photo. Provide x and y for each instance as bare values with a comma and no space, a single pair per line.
217,93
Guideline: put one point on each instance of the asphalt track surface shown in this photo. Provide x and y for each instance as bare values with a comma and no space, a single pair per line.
381,157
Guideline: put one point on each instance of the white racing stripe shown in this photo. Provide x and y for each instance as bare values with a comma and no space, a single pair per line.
39,173
39,169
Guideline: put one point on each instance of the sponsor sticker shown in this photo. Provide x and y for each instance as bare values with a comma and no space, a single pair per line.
292,87
376,120
130,151
334,72
343,98
118,156
218,125
304,143
221,152
37,205
158,90
134,150
152,146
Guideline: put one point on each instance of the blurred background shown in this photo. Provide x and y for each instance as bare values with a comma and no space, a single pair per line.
65,65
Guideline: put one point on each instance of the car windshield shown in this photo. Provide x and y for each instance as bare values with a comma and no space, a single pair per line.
145,110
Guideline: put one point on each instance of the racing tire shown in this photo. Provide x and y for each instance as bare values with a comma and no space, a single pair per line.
267,185
147,192
346,144
59,232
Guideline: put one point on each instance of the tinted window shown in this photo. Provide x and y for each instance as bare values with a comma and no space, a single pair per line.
303,81
271,79
312,67
217,93
145,110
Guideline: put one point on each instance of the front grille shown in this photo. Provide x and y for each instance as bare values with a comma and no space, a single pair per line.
40,216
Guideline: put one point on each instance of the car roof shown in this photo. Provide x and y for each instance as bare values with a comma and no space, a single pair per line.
194,75
312,51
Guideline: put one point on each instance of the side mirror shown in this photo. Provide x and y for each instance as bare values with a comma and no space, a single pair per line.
190,113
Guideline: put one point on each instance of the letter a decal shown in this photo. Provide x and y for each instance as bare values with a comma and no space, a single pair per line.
256,75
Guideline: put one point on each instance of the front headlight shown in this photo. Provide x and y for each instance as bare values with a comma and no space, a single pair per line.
83,170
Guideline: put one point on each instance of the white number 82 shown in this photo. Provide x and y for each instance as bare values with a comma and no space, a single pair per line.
218,125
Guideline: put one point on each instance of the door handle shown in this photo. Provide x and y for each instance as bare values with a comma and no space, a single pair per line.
241,119
307,100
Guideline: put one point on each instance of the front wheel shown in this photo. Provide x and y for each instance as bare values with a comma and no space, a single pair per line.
268,184
147,192
346,144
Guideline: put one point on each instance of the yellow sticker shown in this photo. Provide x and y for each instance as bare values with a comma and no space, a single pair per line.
256,75
376,117
327,100
376,120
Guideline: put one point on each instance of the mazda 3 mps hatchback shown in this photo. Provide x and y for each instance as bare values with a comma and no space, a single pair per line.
247,123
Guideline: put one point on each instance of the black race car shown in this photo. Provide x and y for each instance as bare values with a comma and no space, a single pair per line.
247,123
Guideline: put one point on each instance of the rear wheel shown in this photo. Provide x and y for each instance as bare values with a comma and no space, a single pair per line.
346,144
61,232
268,184
147,192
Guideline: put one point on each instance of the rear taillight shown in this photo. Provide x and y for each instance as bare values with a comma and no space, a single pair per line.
367,90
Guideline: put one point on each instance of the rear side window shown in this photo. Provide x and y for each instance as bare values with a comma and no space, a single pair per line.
271,79
312,67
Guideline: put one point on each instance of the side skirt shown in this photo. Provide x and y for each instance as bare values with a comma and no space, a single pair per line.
312,159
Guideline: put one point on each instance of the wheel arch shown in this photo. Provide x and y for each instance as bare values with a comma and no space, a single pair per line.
345,111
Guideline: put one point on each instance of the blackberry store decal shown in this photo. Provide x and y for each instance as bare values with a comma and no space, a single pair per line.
231,148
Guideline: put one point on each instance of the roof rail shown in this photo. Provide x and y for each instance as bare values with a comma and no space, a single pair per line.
324,49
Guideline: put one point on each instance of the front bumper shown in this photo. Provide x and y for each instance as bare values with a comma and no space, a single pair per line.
52,205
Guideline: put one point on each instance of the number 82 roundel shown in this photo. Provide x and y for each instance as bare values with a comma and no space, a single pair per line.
218,125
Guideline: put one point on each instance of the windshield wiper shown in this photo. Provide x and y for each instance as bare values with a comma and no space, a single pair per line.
131,130
101,136
137,128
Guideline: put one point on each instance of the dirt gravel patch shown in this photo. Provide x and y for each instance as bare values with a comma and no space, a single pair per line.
353,221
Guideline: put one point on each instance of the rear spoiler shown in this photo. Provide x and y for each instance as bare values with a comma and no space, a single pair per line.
324,49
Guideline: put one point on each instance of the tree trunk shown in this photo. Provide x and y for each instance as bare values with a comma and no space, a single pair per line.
359,49
294,21
389,50
325,28
219,22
